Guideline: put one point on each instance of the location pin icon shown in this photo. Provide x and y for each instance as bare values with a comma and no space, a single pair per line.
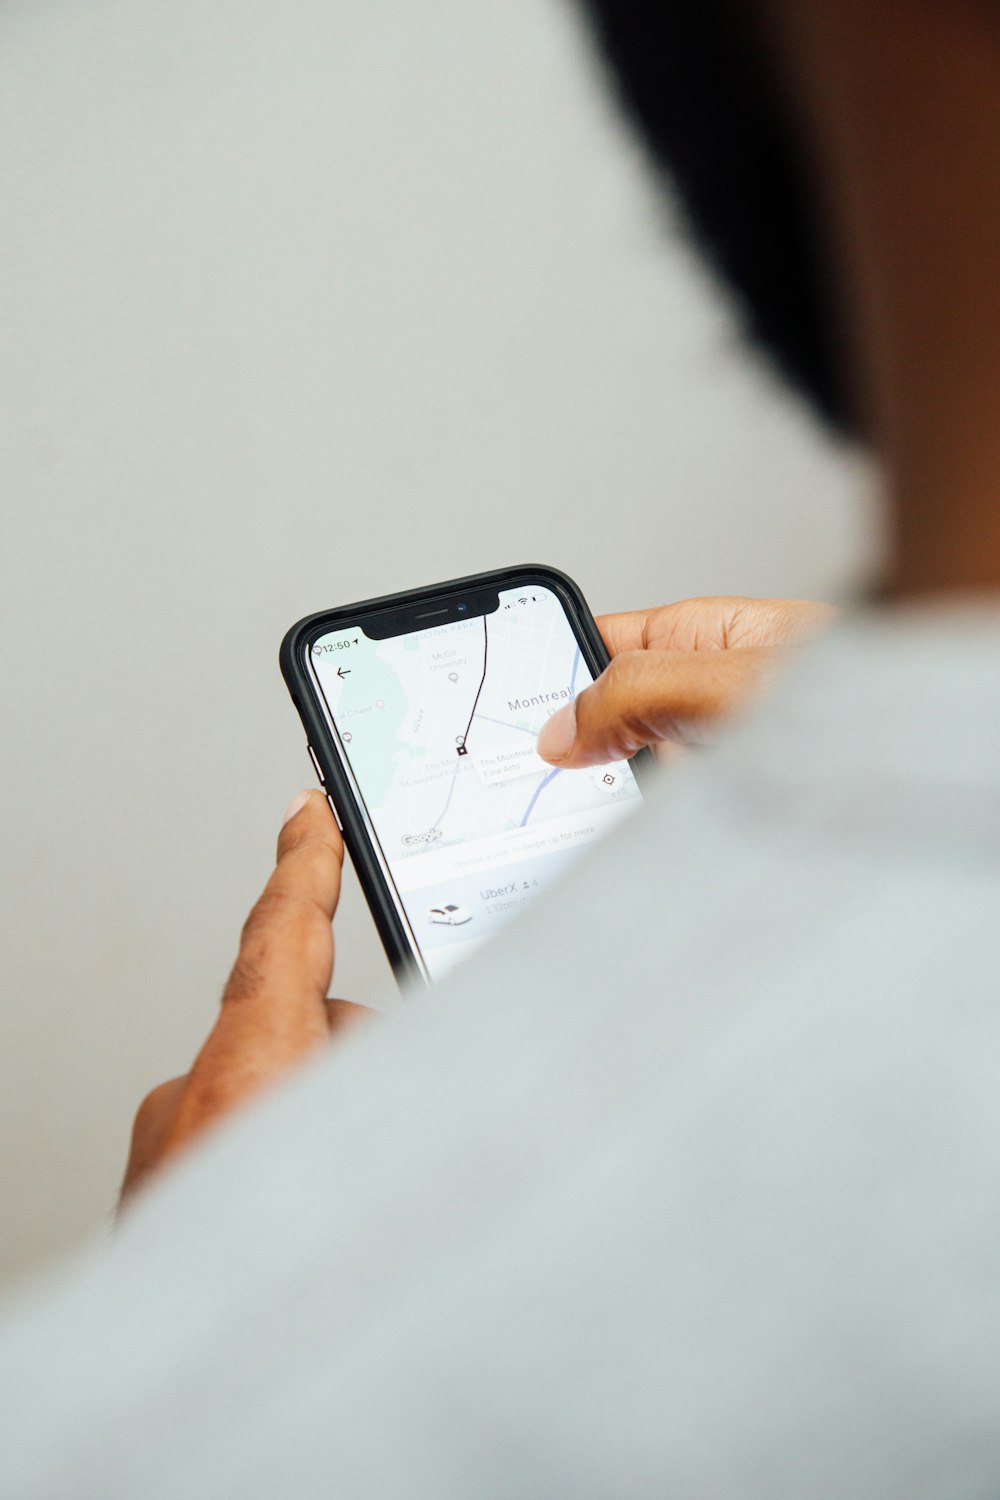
452,676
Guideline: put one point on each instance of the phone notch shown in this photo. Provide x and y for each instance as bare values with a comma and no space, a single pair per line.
424,614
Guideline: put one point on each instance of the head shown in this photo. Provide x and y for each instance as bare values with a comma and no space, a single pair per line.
839,164
700,81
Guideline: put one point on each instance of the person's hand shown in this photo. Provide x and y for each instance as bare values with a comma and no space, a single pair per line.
675,672
274,1008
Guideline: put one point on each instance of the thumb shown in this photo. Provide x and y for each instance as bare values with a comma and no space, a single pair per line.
286,948
648,697
273,1008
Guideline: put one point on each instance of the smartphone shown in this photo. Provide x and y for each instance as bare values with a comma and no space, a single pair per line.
421,712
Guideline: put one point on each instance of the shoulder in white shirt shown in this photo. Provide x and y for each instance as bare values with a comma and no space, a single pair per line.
687,1187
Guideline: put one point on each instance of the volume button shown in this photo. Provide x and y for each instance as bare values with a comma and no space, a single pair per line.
336,814
316,765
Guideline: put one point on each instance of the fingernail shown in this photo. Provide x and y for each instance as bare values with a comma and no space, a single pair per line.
558,733
295,806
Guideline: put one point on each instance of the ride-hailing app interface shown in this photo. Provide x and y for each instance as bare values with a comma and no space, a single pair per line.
438,729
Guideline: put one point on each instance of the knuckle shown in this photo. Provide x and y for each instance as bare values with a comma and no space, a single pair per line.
312,862
626,688
300,833
247,972
283,918
265,911
637,702
292,837
211,1092
155,1103
151,1103
315,862
624,673
277,907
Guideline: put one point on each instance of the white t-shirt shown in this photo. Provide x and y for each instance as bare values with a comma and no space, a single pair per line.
689,1187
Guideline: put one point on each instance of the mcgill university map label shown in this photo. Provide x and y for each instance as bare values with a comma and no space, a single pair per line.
438,729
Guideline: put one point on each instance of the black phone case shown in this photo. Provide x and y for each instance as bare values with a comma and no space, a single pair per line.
293,658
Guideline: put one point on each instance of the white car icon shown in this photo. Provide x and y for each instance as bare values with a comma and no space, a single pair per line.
450,915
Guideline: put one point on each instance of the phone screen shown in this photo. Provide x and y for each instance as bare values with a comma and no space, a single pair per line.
436,730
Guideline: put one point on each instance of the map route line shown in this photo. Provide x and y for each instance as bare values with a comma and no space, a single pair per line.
546,779
479,689
539,789
572,675
458,766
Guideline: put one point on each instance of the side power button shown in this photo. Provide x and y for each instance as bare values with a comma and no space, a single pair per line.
336,814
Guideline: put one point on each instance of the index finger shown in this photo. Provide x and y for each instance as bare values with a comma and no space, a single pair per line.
685,625
625,631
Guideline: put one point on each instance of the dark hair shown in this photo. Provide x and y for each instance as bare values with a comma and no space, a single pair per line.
697,80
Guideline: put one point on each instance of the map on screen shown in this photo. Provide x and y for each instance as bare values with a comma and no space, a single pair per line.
438,728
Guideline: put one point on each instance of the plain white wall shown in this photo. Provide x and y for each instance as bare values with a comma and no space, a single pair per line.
301,303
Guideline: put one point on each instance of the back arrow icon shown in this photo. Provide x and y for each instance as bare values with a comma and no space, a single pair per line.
342,672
